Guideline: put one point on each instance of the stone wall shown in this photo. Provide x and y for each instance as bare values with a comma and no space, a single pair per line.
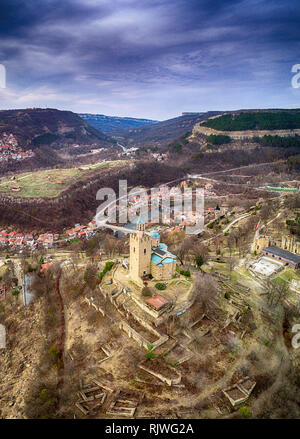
162,377
241,135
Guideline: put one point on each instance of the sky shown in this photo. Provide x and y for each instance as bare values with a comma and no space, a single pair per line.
149,58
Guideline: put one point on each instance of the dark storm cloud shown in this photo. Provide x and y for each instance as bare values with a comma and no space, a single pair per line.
154,58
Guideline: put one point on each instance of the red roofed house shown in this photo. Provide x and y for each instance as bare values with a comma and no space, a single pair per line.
158,303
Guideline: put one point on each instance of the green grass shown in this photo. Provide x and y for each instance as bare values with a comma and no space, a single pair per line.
44,183
279,281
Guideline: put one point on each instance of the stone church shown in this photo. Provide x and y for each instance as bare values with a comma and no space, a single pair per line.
148,256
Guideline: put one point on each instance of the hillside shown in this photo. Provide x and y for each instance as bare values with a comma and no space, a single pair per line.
161,133
35,127
111,124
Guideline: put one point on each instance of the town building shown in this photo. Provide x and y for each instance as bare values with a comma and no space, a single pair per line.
285,256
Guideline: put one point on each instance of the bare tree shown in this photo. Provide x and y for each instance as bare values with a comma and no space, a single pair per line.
276,292
200,253
205,292
184,248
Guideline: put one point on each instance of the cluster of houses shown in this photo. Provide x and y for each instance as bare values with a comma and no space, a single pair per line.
17,240
159,157
128,152
82,231
10,150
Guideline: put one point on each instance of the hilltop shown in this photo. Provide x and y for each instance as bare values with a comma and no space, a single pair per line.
259,120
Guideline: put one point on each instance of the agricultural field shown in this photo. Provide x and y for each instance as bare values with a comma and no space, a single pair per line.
48,183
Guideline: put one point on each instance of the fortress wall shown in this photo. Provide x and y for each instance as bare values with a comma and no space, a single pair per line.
240,135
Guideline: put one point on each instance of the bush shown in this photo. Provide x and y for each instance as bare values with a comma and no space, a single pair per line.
44,393
218,139
15,292
150,355
245,412
160,286
108,267
186,273
146,292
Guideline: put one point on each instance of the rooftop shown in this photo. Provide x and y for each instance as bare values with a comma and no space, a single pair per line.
282,253
157,302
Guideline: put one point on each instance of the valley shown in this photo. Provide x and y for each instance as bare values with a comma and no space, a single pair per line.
143,320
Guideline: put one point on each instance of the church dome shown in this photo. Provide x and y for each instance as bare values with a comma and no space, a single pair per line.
155,235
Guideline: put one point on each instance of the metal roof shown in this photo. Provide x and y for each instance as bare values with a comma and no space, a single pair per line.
283,253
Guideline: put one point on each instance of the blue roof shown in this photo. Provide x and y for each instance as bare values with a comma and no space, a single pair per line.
155,235
162,245
156,259
171,255
160,265
168,261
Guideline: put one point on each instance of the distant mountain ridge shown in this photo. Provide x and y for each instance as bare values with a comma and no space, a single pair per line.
161,133
112,124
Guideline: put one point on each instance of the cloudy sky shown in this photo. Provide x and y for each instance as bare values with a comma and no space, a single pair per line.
149,58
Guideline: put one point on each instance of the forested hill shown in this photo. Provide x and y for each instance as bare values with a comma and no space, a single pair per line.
34,127
112,124
264,120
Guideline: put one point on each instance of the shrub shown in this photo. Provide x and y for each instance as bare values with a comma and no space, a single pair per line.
146,292
160,286
218,139
44,393
199,261
150,355
245,412
186,273
108,267
15,292
227,295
